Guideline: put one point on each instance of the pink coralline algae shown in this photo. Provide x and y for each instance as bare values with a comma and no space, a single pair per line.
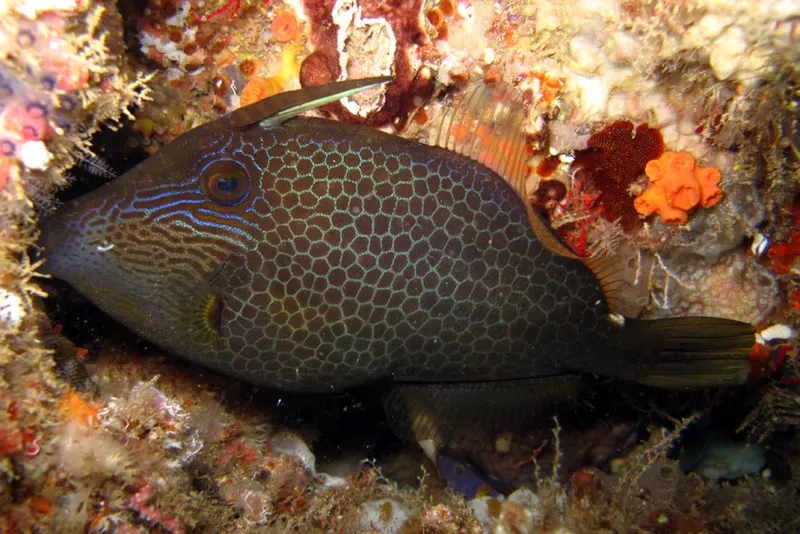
140,503
60,77
39,94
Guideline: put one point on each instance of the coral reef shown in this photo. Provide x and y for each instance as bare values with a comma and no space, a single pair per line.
386,32
601,180
733,286
258,87
153,440
214,57
613,160
120,438
63,75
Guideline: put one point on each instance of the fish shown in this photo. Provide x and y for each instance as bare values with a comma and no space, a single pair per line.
308,255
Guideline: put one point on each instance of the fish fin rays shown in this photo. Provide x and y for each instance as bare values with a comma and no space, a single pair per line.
200,309
546,236
204,306
624,278
430,413
691,352
487,126
281,107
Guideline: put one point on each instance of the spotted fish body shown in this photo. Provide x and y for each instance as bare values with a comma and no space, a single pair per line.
314,255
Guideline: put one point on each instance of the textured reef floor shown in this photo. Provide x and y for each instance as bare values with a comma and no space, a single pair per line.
628,102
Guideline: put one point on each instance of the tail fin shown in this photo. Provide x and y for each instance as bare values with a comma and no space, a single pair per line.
692,351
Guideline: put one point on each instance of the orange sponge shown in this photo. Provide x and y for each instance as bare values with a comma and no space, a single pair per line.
258,88
676,186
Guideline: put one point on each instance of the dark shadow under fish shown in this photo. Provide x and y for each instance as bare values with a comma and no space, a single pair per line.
309,255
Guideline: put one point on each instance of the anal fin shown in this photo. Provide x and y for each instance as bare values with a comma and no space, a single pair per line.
431,413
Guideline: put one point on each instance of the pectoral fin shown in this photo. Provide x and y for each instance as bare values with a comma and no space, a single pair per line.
203,307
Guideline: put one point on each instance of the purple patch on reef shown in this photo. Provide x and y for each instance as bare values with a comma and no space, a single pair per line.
462,478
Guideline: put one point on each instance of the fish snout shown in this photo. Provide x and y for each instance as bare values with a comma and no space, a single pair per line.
75,243
58,245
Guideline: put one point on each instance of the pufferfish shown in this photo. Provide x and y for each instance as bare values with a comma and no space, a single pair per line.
309,255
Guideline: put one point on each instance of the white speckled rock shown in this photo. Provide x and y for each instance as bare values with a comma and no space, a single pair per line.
12,310
386,516
706,30
586,53
727,52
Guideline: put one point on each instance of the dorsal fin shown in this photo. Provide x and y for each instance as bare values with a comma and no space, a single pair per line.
487,126
278,108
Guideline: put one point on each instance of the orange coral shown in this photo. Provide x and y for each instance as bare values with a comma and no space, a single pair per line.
548,86
676,186
258,88
75,408
284,27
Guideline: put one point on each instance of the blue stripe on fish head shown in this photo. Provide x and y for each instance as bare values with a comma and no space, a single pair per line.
146,246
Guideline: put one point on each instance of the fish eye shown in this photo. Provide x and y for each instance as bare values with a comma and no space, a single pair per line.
226,182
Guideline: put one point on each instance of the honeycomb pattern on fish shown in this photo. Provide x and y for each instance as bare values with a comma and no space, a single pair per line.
405,261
